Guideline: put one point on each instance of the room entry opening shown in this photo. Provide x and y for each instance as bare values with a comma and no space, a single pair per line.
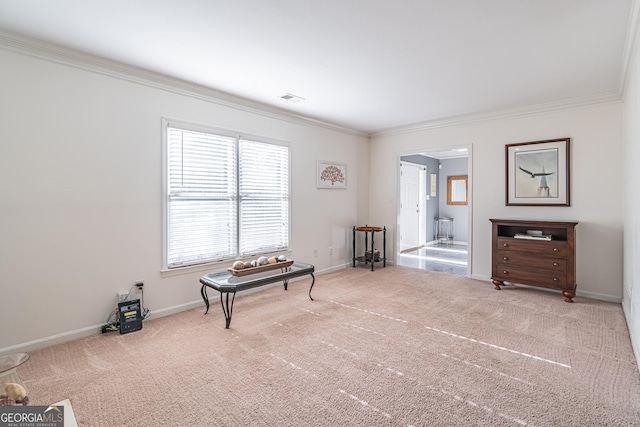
425,190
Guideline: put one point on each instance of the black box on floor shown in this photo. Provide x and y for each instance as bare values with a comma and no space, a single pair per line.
130,316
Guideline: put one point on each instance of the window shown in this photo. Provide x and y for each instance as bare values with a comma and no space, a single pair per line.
226,196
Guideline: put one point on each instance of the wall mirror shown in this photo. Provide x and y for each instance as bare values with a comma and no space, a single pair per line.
457,190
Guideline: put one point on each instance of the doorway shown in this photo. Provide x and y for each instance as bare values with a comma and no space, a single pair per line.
432,252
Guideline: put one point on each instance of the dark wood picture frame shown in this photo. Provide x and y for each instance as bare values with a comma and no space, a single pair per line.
537,173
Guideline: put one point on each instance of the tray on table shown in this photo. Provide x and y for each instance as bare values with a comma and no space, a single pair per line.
260,268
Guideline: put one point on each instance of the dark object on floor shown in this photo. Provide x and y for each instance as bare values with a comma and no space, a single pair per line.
130,316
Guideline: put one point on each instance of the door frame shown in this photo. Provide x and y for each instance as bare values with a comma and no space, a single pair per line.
425,152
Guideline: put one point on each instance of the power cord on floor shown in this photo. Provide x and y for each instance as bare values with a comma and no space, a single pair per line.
112,323
145,311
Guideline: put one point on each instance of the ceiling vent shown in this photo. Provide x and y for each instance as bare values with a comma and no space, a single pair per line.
291,98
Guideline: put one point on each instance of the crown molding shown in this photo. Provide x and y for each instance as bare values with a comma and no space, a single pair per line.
633,37
500,115
73,58
77,59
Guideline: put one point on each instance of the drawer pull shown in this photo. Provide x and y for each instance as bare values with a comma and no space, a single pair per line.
505,258
505,272
555,249
555,264
505,245
555,279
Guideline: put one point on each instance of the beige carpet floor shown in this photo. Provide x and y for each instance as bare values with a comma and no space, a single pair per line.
394,347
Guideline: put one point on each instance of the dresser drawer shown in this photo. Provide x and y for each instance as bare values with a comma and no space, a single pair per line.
539,248
537,278
521,259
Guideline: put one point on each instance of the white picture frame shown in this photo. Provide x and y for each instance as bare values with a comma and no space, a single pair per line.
331,175
434,184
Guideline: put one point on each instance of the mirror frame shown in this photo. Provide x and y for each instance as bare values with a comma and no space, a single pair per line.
450,183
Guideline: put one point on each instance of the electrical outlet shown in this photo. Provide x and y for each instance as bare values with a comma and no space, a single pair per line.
139,285
330,250
122,296
315,252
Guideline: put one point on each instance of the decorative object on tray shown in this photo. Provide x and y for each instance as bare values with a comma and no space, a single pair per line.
376,255
14,394
331,175
259,265
538,173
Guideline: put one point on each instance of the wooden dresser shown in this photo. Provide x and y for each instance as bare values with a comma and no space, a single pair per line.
532,260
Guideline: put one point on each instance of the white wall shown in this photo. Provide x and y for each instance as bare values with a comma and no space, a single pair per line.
631,299
80,194
596,185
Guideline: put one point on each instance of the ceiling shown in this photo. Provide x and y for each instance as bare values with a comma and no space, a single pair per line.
366,65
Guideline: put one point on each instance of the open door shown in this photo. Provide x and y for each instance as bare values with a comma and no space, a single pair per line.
412,205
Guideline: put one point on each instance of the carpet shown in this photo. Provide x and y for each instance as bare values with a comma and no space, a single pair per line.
393,347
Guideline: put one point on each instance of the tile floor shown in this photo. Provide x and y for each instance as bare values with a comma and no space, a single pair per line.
448,258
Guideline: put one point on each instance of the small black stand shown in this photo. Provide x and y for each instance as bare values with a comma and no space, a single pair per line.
370,251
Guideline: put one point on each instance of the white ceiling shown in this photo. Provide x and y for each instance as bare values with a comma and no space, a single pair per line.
366,65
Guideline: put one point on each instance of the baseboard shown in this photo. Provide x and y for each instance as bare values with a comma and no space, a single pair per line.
482,278
635,346
415,248
155,314
334,268
52,340
174,309
436,242
601,297
579,293
90,330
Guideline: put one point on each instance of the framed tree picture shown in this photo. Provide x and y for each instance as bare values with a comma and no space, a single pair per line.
538,173
331,175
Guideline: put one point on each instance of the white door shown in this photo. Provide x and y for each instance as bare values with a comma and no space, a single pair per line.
410,205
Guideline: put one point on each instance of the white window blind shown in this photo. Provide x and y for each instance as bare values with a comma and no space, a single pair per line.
226,197
264,197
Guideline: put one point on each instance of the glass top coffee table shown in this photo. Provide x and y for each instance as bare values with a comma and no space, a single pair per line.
9,362
227,283
8,372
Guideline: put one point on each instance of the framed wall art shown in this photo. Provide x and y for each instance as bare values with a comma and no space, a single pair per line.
538,173
457,190
434,184
331,175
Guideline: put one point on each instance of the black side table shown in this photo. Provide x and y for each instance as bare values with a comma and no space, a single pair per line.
370,253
